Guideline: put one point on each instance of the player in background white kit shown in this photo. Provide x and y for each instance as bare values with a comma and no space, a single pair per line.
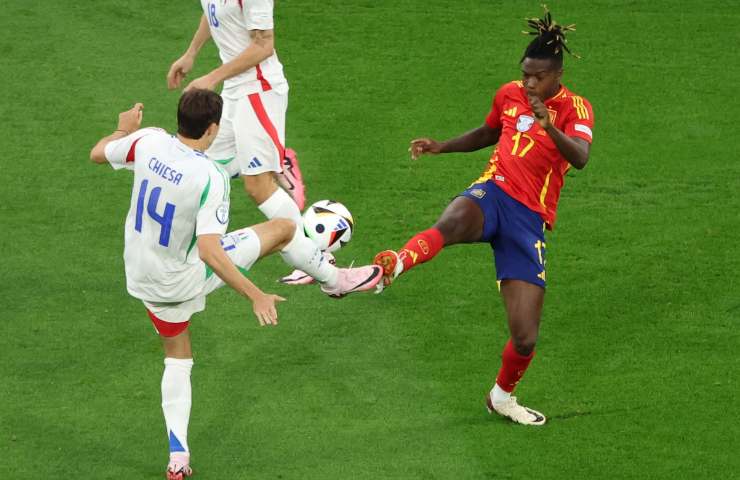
176,250
255,91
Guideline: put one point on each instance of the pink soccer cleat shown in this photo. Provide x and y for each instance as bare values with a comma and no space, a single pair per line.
352,280
299,277
179,466
291,178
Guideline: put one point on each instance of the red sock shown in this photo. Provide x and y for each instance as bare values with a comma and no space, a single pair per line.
513,367
421,248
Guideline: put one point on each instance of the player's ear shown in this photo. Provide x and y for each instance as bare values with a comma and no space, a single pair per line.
210,135
212,130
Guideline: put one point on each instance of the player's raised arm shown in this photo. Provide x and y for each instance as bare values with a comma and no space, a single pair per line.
128,122
263,304
481,137
574,149
261,48
182,66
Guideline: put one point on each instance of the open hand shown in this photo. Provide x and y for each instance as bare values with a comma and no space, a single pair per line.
265,310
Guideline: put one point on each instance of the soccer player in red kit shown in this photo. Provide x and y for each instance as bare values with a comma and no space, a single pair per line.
540,129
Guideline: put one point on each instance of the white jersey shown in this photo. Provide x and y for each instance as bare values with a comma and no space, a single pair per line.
230,22
178,194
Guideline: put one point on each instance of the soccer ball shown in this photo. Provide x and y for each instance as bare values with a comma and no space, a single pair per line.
329,224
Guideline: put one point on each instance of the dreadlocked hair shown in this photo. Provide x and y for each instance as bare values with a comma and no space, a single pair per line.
550,39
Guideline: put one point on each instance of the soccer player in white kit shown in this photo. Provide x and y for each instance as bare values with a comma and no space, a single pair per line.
176,247
255,91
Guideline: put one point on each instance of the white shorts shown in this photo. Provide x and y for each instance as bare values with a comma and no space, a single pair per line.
242,246
251,134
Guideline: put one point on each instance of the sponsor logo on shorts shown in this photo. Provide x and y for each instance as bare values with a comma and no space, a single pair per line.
478,192
254,163
524,123
222,213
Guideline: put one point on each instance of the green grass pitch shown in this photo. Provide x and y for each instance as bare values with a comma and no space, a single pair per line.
637,364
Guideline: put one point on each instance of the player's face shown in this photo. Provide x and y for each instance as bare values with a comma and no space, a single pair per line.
540,77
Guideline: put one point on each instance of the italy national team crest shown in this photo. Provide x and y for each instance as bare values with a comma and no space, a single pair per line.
524,123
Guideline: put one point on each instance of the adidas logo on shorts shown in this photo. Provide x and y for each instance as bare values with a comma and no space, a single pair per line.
254,163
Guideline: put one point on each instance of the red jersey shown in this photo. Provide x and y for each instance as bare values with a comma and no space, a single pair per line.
526,164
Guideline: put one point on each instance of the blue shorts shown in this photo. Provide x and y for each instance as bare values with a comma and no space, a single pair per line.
516,234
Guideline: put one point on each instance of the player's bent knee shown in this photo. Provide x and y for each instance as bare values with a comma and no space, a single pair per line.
285,227
461,222
447,229
275,234
524,343
454,229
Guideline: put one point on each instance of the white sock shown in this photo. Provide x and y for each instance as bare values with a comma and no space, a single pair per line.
499,395
282,205
303,254
176,401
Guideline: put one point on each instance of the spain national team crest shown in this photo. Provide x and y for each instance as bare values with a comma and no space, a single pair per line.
524,123
478,192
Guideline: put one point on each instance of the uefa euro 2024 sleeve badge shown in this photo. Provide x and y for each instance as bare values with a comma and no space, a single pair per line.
524,123
222,213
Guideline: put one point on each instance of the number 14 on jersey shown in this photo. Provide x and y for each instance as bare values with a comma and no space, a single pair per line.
164,220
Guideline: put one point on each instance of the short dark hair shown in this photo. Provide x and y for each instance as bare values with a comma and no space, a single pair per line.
196,111
549,42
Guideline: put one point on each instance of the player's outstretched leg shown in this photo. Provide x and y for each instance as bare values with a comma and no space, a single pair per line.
301,252
299,277
276,203
523,303
461,222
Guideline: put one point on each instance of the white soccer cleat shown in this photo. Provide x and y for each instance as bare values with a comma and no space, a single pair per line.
299,277
179,467
352,280
392,268
515,412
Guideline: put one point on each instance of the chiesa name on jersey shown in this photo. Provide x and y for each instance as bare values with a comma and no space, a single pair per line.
165,171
